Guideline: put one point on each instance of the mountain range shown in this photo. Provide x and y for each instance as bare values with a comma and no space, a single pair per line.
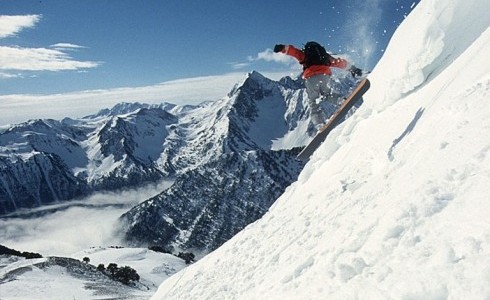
229,160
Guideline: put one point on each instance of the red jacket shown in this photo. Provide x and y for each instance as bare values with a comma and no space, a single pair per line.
315,69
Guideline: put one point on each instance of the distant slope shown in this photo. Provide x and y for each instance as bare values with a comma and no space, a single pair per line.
70,278
60,278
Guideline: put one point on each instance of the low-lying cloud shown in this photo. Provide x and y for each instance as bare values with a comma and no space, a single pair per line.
70,227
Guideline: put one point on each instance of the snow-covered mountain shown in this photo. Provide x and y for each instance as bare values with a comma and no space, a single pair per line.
45,161
238,175
394,204
230,160
208,205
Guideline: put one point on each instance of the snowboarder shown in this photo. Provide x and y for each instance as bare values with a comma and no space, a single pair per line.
316,72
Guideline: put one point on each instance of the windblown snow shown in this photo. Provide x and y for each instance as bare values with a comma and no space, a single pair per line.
394,205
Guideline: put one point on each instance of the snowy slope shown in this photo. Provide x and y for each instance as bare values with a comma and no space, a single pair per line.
61,278
43,283
153,267
394,204
70,278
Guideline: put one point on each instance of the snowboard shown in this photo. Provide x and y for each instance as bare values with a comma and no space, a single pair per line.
336,119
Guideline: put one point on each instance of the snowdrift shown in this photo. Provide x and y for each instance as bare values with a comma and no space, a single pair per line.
394,205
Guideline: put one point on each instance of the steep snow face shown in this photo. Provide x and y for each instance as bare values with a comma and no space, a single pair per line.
257,114
394,204
432,37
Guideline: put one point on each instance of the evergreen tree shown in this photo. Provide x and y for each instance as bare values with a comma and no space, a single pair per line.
101,267
126,274
112,267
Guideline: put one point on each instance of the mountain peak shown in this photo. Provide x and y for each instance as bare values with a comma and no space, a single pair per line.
118,109
256,76
124,108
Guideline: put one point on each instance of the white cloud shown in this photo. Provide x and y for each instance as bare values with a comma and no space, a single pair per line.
270,56
39,59
238,66
11,25
14,58
6,75
66,46
267,56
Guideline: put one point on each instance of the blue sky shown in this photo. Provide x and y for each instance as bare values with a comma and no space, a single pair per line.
104,44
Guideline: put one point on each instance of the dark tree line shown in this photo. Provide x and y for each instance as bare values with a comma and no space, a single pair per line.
188,257
125,274
28,255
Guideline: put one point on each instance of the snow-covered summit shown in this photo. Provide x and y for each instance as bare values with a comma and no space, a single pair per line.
394,204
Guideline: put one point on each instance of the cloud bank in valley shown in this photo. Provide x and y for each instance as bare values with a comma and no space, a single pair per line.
67,228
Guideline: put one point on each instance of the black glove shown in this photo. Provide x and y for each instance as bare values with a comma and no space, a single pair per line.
278,48
355,71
